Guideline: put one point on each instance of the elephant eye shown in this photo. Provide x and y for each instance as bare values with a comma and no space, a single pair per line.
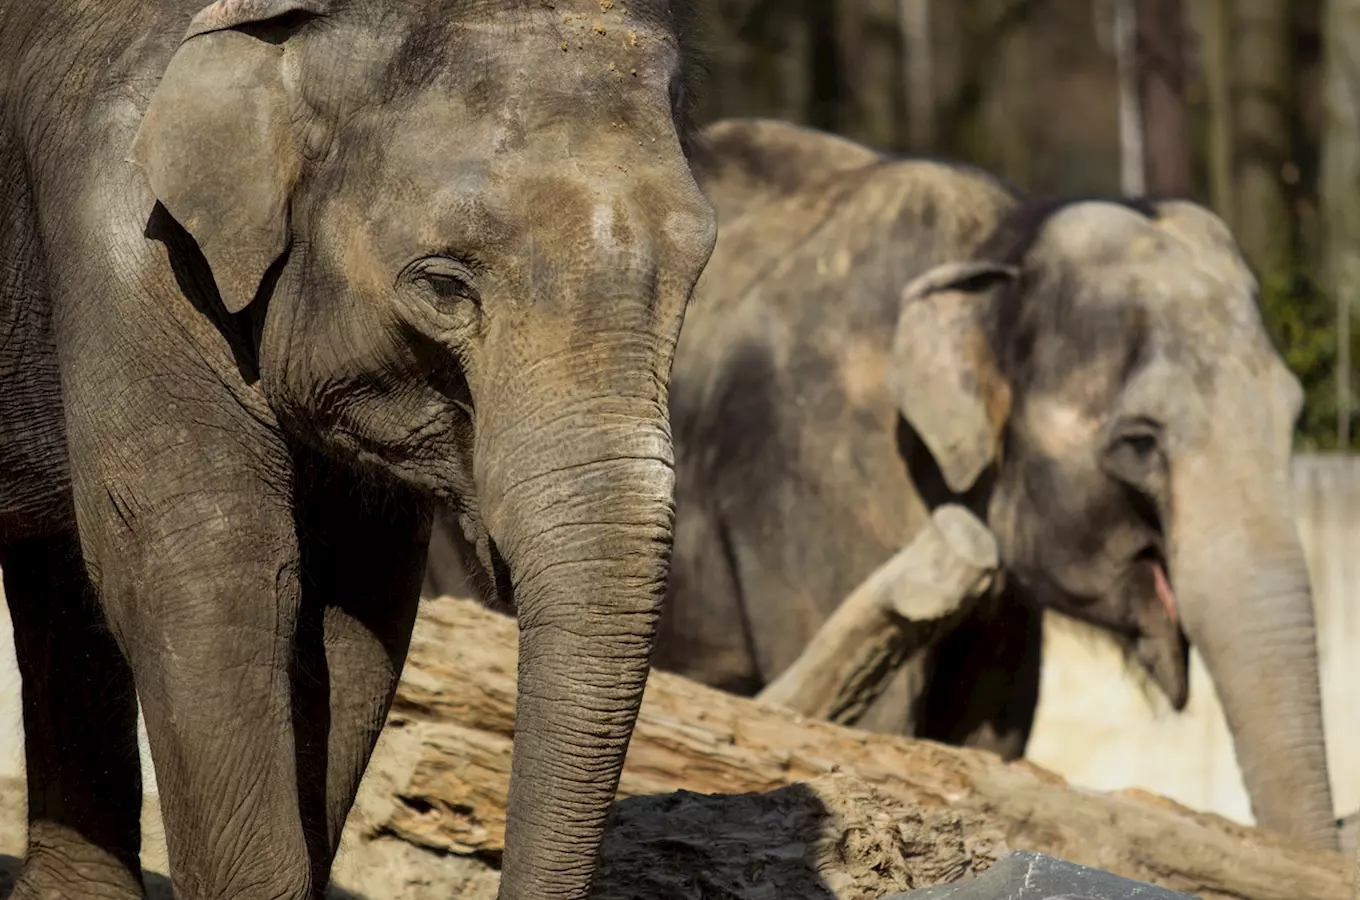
1140,443
1133,452
1138,434
449,287
447,281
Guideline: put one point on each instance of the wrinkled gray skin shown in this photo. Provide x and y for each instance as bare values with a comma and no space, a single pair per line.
1096,383
268,294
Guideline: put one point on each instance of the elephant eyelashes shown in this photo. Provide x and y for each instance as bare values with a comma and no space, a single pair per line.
1141,445
450,288
446,281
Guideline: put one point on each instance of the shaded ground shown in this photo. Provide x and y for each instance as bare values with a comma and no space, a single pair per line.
833,838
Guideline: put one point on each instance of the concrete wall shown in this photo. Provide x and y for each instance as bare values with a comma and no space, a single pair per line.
1100,727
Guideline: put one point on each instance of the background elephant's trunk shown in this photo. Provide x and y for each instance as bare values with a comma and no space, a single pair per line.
1243,595
579,508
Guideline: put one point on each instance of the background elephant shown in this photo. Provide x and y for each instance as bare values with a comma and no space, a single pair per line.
1092,378
270,291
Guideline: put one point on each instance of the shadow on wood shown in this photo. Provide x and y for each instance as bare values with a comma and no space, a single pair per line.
439,778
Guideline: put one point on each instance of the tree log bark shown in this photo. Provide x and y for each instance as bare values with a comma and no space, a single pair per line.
439,779
904,606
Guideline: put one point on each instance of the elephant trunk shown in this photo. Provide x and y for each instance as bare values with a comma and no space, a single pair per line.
580,513
1244,600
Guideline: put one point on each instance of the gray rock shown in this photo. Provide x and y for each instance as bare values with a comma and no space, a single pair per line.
1024,875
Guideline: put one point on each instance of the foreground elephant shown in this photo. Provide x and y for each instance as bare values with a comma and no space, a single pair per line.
1091,378
270,291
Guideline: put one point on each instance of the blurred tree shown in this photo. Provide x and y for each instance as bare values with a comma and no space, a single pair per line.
1132,157
1159,60
918,72
1215,28
763,59
979,64
1340,185
1260,44
868,53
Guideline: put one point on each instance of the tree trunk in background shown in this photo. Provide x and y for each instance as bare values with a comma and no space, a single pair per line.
973,62
869,57
1260,44
918,73
760,60
956,72
1215,28
1339,185
1011,123
1132,158
1159,62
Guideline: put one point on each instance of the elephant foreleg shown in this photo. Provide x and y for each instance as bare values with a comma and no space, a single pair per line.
362,565
80,730
983,680
203,595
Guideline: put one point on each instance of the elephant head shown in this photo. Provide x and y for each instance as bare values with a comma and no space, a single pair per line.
1100,372
465,234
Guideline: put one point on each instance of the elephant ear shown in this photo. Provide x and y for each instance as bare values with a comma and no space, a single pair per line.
217,144
943,371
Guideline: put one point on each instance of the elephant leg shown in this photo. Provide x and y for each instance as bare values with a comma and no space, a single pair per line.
704,632
202,592
982,686
363,565
80,730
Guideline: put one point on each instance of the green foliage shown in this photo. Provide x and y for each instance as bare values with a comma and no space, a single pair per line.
1301,319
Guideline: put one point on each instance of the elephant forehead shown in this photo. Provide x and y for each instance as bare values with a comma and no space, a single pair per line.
1193,297
1182,242
533,66
1097,233
439,180
1125,260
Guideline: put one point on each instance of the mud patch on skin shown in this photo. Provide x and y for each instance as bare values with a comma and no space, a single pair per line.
1059,428
863,373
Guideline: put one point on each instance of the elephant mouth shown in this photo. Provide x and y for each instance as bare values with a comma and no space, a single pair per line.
1161,645
1151,557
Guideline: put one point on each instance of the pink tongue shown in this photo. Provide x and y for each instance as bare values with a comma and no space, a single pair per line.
1164,592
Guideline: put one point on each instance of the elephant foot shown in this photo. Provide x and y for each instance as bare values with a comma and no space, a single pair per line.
42,884
76,872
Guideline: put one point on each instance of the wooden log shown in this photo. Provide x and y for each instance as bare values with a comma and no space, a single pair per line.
443,771
905,605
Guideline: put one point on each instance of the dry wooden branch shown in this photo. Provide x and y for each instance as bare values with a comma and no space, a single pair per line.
906,604
443,771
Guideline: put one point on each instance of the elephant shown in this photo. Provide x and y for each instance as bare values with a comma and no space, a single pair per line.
875,337
279,277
